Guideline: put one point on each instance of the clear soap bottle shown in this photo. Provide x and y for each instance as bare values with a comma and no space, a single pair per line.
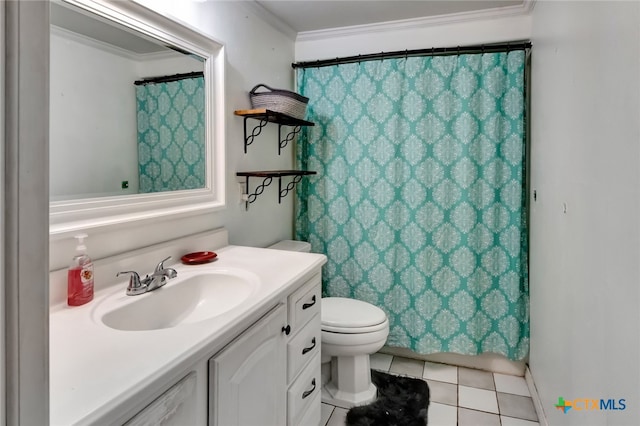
80,276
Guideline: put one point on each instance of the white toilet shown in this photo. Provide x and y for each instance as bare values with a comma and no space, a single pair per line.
351,331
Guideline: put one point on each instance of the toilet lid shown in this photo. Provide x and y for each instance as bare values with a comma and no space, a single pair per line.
340,314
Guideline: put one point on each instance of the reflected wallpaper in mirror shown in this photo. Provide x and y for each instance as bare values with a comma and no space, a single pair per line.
127,113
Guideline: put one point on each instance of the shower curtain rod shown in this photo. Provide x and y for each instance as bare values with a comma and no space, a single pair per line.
168,78
434,51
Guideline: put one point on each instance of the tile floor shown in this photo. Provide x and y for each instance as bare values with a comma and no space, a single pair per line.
459,396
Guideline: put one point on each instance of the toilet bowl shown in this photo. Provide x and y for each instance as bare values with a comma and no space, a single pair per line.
351,331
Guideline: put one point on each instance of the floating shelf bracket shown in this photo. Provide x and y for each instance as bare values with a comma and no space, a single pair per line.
265,116
266,181
248,139
259,190
292,134
283,192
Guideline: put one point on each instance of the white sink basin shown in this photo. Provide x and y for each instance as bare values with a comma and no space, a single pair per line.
182,301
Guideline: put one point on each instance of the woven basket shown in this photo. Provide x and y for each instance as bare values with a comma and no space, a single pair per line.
279,100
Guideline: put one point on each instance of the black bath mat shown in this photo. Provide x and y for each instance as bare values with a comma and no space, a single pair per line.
402,401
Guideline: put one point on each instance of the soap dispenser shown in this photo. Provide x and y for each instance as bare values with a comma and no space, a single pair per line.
80,276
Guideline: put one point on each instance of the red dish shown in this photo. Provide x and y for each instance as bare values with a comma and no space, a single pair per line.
198,257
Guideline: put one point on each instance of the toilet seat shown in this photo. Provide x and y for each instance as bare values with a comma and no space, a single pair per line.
352,339
356,330
350,316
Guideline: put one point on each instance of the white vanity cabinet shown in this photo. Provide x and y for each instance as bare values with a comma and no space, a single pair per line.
255,363
270,374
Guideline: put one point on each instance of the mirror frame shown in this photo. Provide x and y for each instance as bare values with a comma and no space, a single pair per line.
70,216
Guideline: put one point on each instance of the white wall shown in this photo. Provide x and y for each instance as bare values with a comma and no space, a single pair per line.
180,64
256,53
585,153
3,348
386,38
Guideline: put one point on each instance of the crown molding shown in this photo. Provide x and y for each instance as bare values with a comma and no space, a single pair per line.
499,12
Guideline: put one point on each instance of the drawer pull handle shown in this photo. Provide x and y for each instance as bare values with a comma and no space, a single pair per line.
286,329
308,305
310,391
310,348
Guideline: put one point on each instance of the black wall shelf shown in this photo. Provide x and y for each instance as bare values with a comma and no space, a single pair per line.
265,116
267,176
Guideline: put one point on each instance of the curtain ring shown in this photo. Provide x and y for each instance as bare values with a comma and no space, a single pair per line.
358,59
381,56
406,54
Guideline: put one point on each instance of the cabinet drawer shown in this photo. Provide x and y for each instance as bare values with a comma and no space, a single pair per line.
302,347
313,414
302,393
304,303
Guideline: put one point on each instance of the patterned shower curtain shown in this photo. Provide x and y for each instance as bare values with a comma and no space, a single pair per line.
171,137
419,201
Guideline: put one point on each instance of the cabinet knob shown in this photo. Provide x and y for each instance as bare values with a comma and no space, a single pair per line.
286,329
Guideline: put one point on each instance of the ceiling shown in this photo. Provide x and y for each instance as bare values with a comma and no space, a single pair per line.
313,15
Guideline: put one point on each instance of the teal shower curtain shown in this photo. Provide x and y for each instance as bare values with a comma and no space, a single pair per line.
171,137
419,200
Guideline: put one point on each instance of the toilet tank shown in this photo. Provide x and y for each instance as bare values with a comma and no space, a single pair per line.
292,245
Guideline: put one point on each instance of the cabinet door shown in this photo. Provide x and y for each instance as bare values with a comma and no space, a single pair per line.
177,406
248,378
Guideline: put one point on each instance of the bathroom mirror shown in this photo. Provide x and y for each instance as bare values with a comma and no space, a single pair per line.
136,116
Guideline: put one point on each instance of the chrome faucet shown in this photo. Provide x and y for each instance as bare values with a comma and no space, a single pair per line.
157,279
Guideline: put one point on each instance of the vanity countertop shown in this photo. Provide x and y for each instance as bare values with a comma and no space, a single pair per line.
95,369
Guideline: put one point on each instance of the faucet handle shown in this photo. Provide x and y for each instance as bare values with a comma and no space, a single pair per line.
160,265
170,273
135,285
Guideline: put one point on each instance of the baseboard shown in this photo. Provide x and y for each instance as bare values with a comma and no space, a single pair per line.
537,402
488,362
